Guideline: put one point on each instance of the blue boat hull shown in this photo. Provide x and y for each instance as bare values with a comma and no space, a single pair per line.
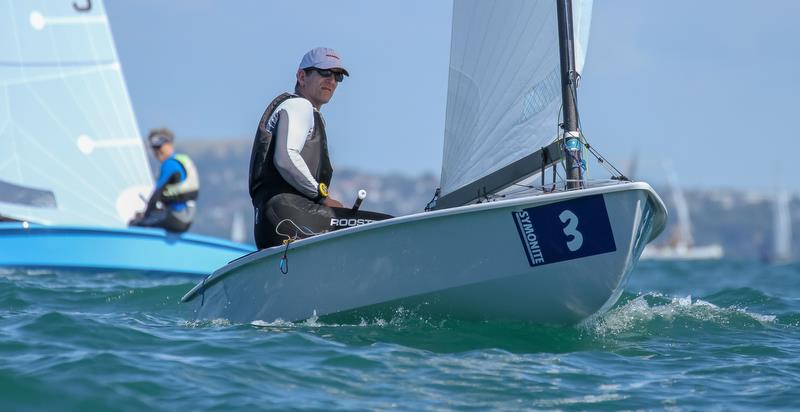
152,251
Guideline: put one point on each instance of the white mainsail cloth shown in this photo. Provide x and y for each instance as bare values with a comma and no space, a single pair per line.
70,148
504,93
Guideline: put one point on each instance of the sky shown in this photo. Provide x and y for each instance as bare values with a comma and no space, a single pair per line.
710,86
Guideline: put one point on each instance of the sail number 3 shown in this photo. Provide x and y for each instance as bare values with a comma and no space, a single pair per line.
571,230
565,230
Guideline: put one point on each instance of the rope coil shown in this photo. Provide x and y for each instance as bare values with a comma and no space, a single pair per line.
283,265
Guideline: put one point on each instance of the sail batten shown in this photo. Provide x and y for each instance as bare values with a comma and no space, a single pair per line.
67,128
504,86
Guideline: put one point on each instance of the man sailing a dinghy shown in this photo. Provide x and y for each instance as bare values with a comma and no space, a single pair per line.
172,204
290,170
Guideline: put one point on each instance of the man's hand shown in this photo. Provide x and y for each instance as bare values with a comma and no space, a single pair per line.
136,218
331,202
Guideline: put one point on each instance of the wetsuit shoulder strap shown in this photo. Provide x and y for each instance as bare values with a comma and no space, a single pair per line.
263,124
259,156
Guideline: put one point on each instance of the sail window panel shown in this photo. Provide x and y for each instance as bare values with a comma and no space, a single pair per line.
29,196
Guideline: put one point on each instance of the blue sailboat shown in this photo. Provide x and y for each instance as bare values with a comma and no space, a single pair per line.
73,167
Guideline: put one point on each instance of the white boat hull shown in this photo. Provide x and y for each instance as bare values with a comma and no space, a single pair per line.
473,261
706,252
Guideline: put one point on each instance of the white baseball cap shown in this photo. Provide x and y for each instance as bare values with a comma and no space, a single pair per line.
323,58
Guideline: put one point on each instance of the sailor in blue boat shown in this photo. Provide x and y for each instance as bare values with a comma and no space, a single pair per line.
290,170
172,204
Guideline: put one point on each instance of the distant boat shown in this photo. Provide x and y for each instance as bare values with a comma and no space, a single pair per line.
680,245
238,229
632,166
73,167
782,229
489,247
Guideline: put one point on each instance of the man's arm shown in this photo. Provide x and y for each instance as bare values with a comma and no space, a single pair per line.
295,124
171,172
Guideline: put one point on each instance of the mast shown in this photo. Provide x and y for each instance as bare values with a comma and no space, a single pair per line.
569,76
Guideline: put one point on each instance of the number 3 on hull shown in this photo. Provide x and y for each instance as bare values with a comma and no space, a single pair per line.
571,230
566,230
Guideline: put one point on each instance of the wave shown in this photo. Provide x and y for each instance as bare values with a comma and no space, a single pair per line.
634,318
651,312
136,301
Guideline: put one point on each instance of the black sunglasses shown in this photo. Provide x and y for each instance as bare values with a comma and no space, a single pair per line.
338,76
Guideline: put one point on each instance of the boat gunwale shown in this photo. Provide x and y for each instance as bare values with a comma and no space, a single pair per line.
141,232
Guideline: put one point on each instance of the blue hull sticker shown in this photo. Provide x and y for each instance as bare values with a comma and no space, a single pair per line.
565,230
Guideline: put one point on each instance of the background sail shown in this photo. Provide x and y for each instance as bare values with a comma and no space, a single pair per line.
504,95
70,149
782,228
682,238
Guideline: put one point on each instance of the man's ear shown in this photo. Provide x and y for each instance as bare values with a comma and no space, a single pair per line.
301,77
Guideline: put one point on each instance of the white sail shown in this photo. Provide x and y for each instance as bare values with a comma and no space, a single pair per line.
783,228
504,93
238,229
683,234
680,245
70,149
582,17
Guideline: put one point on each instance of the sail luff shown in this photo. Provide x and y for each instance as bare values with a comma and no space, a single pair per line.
569,78
567,64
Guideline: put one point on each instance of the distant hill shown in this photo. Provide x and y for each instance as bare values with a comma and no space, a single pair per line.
223,166
740,220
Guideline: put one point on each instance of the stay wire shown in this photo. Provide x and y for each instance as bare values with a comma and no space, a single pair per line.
594,152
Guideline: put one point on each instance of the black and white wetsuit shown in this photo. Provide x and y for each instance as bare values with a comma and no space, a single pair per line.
289,161
301,146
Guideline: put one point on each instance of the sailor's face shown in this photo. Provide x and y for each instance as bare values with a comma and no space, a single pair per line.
162,152
318,89
157,152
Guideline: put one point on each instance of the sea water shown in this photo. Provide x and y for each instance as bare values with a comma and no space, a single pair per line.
687,336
